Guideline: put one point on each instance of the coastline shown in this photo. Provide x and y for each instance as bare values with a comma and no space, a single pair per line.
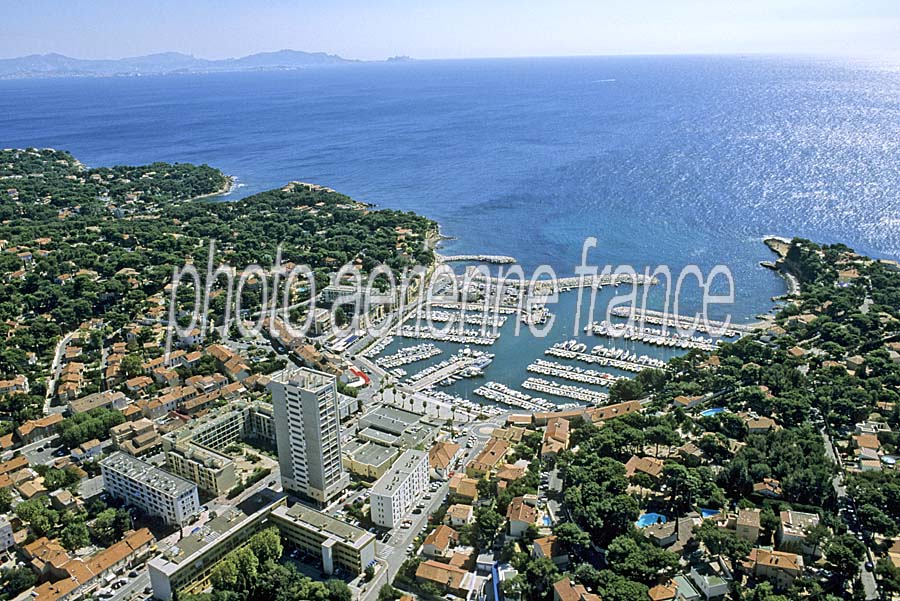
780,246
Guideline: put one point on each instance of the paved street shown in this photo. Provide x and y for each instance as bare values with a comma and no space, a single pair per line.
848,513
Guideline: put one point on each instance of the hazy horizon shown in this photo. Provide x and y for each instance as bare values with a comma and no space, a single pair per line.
465,29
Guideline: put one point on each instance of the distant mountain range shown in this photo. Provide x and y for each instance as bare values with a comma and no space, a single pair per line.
57,65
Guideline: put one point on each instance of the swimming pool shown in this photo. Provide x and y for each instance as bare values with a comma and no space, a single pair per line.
708,513
648,519
712,411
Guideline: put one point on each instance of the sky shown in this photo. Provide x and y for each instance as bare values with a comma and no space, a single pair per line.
377,29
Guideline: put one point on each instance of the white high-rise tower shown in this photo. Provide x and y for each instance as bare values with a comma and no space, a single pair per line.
308,433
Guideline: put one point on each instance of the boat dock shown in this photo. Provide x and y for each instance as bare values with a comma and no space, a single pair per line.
407,355
479,319
498,259
376,348
651,336
464,364
467,336
565,390
681,321
623,364
570,372
500,393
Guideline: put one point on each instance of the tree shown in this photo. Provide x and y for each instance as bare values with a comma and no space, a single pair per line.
75,535
487,523
388,593
16,580
266,545
132,365
636,558
574,538
338,590
541,574
5,500
844,554
722,542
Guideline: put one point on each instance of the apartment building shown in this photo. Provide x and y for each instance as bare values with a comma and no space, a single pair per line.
399,488
307,432
155,491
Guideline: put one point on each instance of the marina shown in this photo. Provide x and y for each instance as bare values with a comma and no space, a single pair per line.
565,390
408,355
630,365
573,373
683,322
466,336
500,393
496,259
376,349
458,403
492,321
652,336
467,363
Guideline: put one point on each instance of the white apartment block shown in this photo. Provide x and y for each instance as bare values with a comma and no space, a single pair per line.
308,433
155,491
6,534
399,488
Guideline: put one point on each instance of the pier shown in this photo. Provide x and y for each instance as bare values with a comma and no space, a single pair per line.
565,390
497,259
407,355
478,319
501,393
651,336
467,336
623,364
681,321
570,372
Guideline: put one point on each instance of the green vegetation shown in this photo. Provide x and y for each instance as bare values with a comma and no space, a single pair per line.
98,243
252,573
83,427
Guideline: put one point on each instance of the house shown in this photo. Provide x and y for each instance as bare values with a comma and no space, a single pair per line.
463,488
778,567
522,513
551,548
663,534
644,465
37,429
139,384
769,487
441,457
566,590
459,515
712,579
439,542
556,437
488,459
87,450
759,425
663,592
747,525
447,578
16,385
793,529
688,402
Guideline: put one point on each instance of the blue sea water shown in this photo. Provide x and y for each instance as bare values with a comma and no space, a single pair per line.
666,160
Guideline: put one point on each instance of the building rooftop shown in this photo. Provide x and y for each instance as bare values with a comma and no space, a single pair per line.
302,377
325,524
372,453
399,472
229,522
143,472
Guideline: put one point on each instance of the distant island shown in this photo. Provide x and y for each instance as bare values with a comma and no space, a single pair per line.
58,65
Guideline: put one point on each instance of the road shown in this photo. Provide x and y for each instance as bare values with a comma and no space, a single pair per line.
55,367
134,588
847,510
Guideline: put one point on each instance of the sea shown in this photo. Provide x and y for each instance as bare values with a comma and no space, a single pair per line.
666,161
